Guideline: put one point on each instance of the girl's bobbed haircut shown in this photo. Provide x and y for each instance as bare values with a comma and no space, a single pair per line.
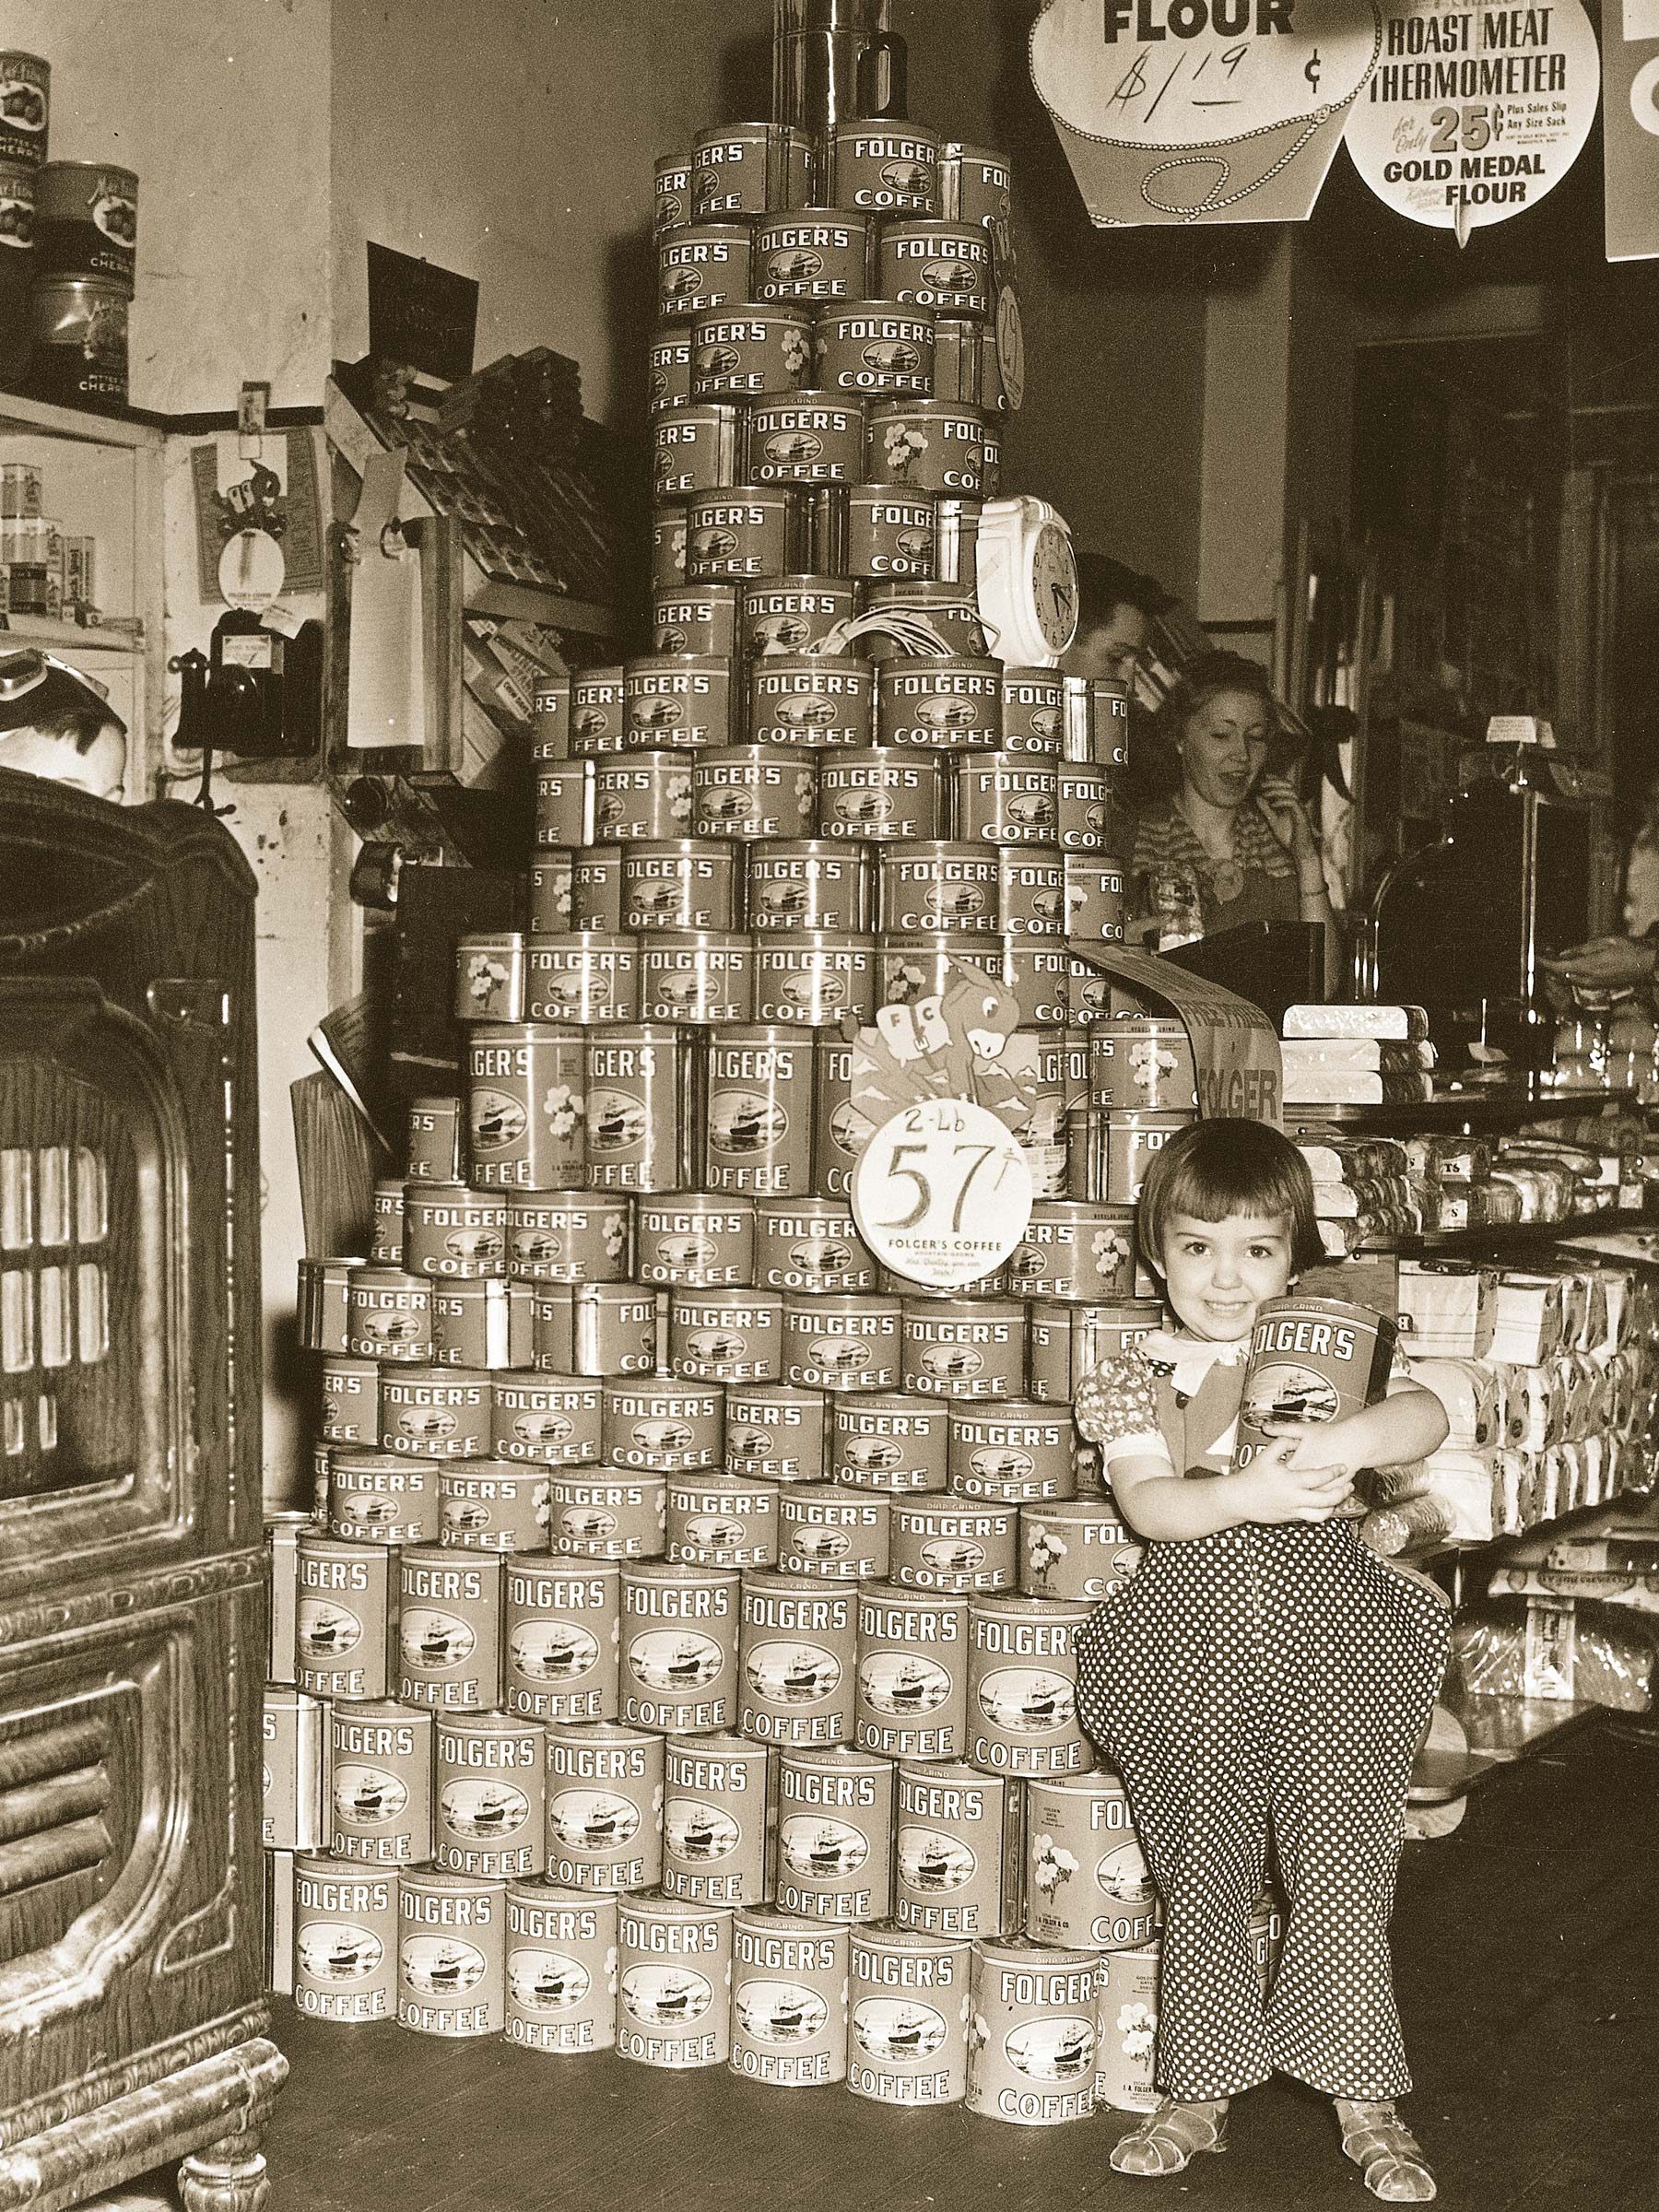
1218,1169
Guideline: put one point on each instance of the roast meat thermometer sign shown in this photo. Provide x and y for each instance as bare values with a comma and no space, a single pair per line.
942,1192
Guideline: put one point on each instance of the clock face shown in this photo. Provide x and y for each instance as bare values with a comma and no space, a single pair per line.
1054,586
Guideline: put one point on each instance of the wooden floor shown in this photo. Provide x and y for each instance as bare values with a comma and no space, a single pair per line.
1528,1947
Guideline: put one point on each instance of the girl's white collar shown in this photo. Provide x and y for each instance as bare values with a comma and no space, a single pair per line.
1192,1358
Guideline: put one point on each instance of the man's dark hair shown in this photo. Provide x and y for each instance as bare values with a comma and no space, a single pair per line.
60,706
1104,584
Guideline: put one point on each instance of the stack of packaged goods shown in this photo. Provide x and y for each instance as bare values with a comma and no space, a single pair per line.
688,1666
44,569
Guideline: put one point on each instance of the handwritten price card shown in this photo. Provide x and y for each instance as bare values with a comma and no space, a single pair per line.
1202,111
942,1192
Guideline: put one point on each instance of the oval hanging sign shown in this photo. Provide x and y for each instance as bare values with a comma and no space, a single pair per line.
1474,113
1202,111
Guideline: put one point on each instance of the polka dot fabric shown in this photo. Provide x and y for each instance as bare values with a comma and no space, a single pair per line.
1264,1688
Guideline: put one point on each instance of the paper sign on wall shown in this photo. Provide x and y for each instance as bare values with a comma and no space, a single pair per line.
1201,110
1630,127
1475,112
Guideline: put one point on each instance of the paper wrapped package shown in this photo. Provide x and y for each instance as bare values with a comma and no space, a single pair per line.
1446,1309
1555,1649
1469,1391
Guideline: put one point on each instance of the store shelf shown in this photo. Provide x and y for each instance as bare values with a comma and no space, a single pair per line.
1499,1731
17,413
1474,1111
1510,1237
68,637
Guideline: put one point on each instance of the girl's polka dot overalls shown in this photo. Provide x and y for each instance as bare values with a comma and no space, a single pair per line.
1265,1683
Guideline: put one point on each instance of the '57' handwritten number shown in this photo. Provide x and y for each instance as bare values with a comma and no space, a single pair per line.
924,1184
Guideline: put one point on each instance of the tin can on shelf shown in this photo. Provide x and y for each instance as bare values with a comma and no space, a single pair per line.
884,795
937,887
434,1140
668,368
976,184
1085,808
1108,722
745,530
875,346
681,884
561,1634
697,445
525,1107
389,1315
753,791
566,1238
810,884
835,1534
1094,898
725,1335
913,1673
595,891
948,607
700,618
1080,1548
671,204
701,266
749,168
943,265
490,1795
79,350
636,1108
742,353
1013,1453
760,1112
1086,1882
490,977
705,1243
1132,1141
958,1851
674,2000
1035,2063
682,700
381,1498
552,887
955,702
889,168
345,1618
950,1545
721,1520
839,1129
667,540
564,808
435,1412
595,1329
1142,1063
24,109
811,254
810,1244
907,2023
964,1347
715,1803
596,698
344,1963
1004,799
494,1505
386,1224
1022,1687
550,1419
449,1229
449,1629
481,1324
846,1343
660,1423
561,1970
784,614
890,1443
350,1403
605,1807
549,719
812,977
696,975
1076,1251
789,2000
933,444
586,977
1033,713
452,1931
878,532
380,1805
85,212
642,795
835,1828
817,700
797,1659
776,1432
679,1647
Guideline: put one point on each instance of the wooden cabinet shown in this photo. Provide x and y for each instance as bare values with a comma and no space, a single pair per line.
132,1602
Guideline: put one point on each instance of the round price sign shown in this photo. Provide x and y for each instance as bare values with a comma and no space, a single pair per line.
942,1192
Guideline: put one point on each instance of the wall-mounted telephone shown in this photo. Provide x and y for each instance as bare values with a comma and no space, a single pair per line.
258,692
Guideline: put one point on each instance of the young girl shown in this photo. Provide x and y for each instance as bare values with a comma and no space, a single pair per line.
1262,1677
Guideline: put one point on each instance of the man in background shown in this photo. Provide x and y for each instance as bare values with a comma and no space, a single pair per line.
55,723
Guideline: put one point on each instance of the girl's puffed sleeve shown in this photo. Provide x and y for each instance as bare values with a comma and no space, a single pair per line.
1116,1407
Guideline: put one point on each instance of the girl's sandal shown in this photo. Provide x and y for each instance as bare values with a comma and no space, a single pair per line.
1170,2137
1388,2155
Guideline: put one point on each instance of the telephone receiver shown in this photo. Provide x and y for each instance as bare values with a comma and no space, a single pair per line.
258,693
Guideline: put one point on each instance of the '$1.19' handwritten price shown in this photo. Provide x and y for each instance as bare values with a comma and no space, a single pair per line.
1211,78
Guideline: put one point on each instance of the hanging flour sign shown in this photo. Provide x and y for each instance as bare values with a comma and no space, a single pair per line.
1474,113
1201,110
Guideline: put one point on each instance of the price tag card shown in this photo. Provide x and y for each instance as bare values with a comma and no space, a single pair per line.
942,1192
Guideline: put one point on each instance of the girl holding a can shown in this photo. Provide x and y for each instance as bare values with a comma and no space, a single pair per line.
1263,1680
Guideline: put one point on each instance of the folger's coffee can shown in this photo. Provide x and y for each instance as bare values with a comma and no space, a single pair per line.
490,977
681,884
749,168
753,791
550,1419
760,1112
1033,712
812,977
595,1329
381,1783
1086,1875
672,199
705,1243
551,719
934,445
701,618
892,169
642,795
561,1970
776,1432
434,1140
561,1636
350,1409
720,1520
1004,799
1106,1332
835,1534
786,614
890,1443
789,2000
451,1941
1030,891
913,1673
696,446
696,975
667,547
879,532
449,1629
345,1618
714,1819
1133,1140
1034,2061
552,899
958,1851
596,697
1094,900
954,702
944,1543
635,1109
884,795
1311,1360
701,266
976,184
810,1244
1126,1995
345,1941
839,1132
811,253
744,352
1038,974
565,1239
564,816
381,1498
660,1423
481,1325
489,1794
605,1807
944,266
835,1828
797,1660
603,1513
435,1412
940,888
682,700
873,347
525,1107
1084,804
491,1505
964,1347
679,1647
1013,1453
452,1230
1142,1065
1023,1688
668,368
907,2028
949,606
846,1343
674,1997
810,884
817,699
1081,1251
725,1335
1075,1548
746,530
388,1315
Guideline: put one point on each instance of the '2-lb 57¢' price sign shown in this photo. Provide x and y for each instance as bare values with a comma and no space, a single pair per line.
942,1192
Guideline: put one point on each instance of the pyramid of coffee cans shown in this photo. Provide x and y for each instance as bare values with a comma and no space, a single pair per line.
686,1669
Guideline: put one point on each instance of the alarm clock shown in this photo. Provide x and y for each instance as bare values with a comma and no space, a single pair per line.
1028,582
